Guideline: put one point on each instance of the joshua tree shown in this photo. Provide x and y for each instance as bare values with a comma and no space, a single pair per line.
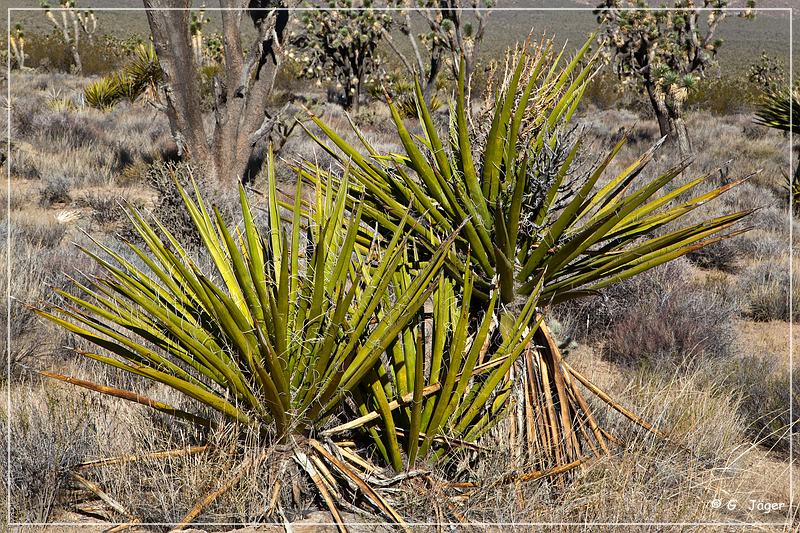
767,74
71,24
664,51
241,90
196,30
450,34
16,43
341,44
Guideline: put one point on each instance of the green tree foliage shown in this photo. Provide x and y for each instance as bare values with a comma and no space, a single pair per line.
663,51
341,44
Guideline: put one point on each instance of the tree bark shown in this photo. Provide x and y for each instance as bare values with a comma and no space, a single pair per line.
240,100
659,104
677,96
429,89
669,114
172,42
681,134
76,55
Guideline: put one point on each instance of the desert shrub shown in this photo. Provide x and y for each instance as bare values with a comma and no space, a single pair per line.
55,191
85,147
765,290
760,244
35,267
65,130
606,91
664,319
685,323
765,395
50,432
134,174
106,209
725,95
23,162
48,51
722,255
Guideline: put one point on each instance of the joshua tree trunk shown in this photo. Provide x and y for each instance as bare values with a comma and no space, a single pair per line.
240,93
677,96
668,109
71,40
681,135
659,104
429,89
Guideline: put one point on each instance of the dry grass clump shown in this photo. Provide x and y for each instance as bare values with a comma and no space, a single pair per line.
32,269
54,428
764,286
763,384
158,489
51,430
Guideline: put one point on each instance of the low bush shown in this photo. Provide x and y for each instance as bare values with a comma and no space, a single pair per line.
55,191
765,289
764,387
48,51
665,319
724,95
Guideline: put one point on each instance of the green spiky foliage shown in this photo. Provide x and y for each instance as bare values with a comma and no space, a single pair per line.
299,329
519,225
138,79
277,343
104,93
779,110
534,226
430,372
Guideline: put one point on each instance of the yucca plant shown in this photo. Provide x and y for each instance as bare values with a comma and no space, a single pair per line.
518,224
104,93
138,79
780,110
777,108
279,340
527,220
429,375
